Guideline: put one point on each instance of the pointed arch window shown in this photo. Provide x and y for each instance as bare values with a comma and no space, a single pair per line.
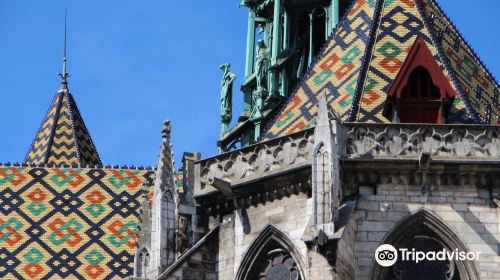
420,93
143,264
271,256
424,231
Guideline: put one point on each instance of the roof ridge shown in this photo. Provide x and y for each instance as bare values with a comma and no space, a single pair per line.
470,48
40,128
72,124
53,129
81,166
366,62
84,127
473,113
321,54
444,59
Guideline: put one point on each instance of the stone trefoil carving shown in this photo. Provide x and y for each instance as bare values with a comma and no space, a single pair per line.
252,162
360,141
410,141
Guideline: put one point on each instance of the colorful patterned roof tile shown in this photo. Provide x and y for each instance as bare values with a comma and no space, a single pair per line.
399,27
336,72
366,53
179,180
477,85
73,223
63,138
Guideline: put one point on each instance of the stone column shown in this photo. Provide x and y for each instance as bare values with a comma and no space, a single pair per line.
334,14
250,55
311,37
276,44
250,61
286,34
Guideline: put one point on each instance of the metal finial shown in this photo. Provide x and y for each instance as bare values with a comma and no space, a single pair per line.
64,75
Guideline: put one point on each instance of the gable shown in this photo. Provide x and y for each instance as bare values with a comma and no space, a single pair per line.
400,25
420,56
69,222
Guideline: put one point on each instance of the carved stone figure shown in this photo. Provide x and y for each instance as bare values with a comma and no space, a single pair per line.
263,61
226,97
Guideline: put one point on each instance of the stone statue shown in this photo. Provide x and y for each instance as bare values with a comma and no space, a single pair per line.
263,62
226,97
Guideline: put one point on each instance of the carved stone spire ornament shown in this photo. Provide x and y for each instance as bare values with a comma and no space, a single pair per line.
164,210
325,172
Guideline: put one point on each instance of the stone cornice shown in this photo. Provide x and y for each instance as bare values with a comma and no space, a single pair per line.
364,146
261,160
451,143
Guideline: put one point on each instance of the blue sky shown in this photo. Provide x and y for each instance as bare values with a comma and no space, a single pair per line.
135,63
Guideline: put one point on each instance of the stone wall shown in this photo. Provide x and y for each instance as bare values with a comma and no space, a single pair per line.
467,210
199,266
289,215
345,252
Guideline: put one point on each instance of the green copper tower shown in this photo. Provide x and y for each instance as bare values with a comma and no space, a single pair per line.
291,33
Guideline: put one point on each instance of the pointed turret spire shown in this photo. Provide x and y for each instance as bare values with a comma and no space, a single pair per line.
63,138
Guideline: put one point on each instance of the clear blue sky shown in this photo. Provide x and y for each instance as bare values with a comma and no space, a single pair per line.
135,63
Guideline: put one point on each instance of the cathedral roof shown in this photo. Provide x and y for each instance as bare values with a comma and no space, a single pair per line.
69,223
63,138
364,55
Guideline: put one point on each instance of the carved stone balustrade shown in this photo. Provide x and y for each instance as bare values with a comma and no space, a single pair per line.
409,141
257,161
360,144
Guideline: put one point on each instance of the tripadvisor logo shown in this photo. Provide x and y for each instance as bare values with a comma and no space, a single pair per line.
386,255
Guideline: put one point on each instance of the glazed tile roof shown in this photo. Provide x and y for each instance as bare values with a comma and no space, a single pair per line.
477,85
71,223
63,138
364,55
179,180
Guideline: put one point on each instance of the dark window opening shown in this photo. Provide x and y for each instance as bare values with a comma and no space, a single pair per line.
425,232
420,86
319,30
410,270
343,6
420,100
301,44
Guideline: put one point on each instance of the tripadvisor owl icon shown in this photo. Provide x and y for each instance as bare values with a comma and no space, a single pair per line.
386,255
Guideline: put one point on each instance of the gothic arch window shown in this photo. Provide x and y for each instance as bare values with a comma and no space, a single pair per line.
425,232
168,195
420,93
143,263
271,256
